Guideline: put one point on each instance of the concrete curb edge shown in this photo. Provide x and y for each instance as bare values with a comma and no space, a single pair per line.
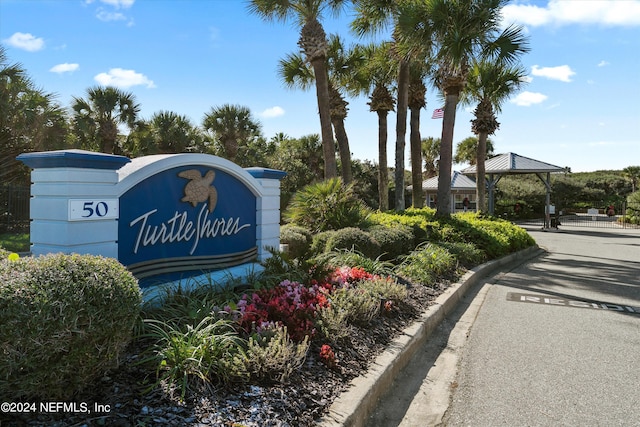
354,406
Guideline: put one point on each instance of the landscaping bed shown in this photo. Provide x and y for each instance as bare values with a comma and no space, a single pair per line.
277,348
301,401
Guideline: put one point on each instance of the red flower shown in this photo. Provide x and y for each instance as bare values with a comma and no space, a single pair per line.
327,355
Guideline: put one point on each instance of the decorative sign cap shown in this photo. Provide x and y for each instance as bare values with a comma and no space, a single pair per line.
73,159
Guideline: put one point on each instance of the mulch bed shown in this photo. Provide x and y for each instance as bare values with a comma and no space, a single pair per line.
301,402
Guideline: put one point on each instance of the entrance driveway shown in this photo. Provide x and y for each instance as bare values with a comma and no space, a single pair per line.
552,342
556,341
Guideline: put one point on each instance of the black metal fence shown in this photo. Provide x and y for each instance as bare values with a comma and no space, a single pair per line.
14,208
613,216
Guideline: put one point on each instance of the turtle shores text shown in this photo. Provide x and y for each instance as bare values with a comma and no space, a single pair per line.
179,228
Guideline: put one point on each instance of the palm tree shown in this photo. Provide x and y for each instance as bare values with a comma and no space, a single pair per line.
431,156
232,126
461,31
97,117
373,16
313,43
166,132
416,102
467,150
342,63
375,77
490,83
633,173
31,119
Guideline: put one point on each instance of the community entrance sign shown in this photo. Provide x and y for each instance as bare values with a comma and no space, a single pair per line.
165,217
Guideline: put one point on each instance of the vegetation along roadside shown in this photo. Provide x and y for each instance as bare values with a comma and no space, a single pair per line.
273,350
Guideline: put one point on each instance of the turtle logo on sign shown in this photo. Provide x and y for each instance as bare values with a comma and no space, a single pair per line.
199,188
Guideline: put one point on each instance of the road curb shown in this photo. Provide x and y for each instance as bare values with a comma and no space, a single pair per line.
354,406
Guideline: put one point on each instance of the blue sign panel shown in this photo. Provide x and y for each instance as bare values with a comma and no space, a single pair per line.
186,219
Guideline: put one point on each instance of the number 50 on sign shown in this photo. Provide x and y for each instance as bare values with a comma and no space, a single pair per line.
89,210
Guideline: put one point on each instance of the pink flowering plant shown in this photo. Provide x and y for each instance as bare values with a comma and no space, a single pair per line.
349,276
290,304
293,304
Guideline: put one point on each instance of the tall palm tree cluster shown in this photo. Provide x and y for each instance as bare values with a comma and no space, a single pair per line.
459,47
456,47
30,119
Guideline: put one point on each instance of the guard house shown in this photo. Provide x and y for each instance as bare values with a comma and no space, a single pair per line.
515,164
461,187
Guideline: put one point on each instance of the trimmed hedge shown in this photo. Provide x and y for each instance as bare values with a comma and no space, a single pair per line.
319,241
353,238
298,238
394,241
65,320
496,237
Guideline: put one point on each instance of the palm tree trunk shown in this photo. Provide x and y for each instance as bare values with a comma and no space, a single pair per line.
443,208
401,131
481,156
383,172
322,93
416,158
108,133
343,147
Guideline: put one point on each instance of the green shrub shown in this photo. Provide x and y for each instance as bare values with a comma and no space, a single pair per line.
4,254
495,236
65,320
633,208
353,258
319,241
356,239
467,254
181,306
394,241
298,238
279,266
191,358
384,288
272,356
421,221
327,205
356,305
427,263
333,323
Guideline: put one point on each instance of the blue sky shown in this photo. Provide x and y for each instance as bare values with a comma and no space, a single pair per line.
580,108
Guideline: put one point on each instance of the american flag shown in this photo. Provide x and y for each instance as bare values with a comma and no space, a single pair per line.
438,113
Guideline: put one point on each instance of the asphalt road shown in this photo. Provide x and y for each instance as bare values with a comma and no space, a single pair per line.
553,342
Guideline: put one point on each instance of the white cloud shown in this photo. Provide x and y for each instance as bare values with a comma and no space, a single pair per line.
125,4
123,78
603,63
526,99
64,68
562,72
272,112
105,16
25,41
562,12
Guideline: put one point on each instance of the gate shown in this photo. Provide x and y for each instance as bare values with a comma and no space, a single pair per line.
593,218
612,216
14,208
